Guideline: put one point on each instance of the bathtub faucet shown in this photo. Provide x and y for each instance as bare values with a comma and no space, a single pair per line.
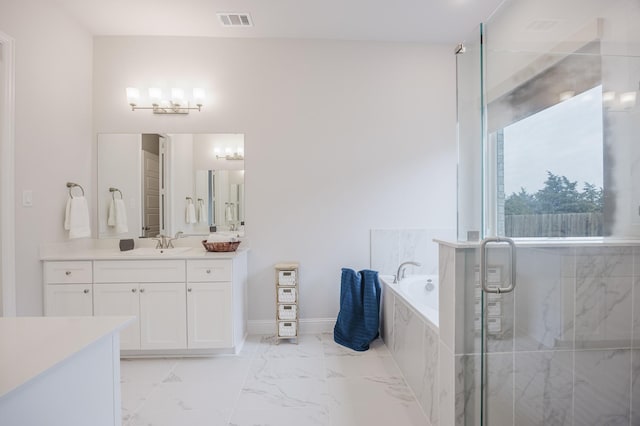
401,270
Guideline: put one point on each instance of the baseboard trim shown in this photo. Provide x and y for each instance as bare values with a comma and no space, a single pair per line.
307,326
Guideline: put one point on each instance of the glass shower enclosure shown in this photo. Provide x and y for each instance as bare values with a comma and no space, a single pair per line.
549,210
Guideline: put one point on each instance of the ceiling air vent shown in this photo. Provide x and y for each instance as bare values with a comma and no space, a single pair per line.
235,19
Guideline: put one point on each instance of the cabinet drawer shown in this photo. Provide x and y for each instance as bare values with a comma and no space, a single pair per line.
209,270
67,272
139,271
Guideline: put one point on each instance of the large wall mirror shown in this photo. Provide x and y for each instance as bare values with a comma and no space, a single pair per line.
150,184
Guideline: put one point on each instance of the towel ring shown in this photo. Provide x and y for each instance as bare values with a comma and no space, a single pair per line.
113,193
72,185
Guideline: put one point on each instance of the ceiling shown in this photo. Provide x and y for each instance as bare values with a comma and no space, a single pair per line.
434,21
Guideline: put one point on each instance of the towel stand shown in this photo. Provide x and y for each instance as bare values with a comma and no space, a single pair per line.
72,185
113,193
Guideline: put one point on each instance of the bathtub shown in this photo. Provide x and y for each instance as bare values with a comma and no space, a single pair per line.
415,291
410,331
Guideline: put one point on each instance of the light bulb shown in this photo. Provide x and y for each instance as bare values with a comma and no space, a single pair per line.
198,95
155,95
133,94
177,96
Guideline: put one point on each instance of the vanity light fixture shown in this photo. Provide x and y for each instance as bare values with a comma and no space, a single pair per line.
229,154
177,104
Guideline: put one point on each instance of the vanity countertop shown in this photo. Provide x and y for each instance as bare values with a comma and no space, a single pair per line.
30,346
62,253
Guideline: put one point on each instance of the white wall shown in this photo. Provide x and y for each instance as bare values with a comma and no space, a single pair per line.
119,166
340,137
53,132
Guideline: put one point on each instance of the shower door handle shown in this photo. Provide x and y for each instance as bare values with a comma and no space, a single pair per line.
483,265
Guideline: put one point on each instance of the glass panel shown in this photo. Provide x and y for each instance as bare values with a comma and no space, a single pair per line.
470,131
561,160
470,222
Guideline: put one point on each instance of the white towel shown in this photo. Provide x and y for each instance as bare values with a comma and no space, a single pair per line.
117,216
190,213
216,238
76,218
202,212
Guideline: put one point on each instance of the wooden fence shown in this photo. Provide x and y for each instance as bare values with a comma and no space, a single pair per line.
554,225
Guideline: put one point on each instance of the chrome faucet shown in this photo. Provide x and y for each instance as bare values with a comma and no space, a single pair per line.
401,270
164,242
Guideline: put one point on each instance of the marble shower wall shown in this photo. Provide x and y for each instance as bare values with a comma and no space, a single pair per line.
390,247
569,347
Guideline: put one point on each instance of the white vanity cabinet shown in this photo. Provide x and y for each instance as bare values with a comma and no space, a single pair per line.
149,290
68,289
190,305
209,303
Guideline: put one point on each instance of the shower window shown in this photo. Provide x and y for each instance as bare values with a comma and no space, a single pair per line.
550,170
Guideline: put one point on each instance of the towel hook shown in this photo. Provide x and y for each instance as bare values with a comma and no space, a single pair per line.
113,193
72,185
189,200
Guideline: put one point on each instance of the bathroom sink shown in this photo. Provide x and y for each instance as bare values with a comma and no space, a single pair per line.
150,251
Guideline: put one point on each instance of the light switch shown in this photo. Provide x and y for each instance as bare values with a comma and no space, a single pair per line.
27,198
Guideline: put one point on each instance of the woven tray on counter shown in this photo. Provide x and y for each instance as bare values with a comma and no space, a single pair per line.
220,246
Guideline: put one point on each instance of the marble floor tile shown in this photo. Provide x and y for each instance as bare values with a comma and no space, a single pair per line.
341,367
193,396
146,370
198,370
286,368
308,346
133,396
373,402
281,417
287,393
316,382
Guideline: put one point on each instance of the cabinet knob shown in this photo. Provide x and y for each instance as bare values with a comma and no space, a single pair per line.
142,290
208,271
86,291
133,290
189,290
67,273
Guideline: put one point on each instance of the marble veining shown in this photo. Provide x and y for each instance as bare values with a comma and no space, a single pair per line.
602,384
316,382
603,312
544,388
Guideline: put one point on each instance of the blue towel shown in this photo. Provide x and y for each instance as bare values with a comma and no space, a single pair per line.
359,317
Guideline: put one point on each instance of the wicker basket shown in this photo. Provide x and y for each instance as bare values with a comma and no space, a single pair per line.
221,246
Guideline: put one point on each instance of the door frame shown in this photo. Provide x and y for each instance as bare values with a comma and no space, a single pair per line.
7,180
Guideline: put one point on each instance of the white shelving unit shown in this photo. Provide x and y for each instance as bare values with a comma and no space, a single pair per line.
287,312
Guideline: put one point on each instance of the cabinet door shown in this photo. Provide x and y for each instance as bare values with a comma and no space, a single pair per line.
209,315
120,300
163,316
68,300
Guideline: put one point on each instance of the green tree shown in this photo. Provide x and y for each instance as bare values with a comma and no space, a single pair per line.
559,195
520,203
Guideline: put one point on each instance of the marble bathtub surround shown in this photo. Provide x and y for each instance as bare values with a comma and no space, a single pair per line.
316,382
391,247
414,344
